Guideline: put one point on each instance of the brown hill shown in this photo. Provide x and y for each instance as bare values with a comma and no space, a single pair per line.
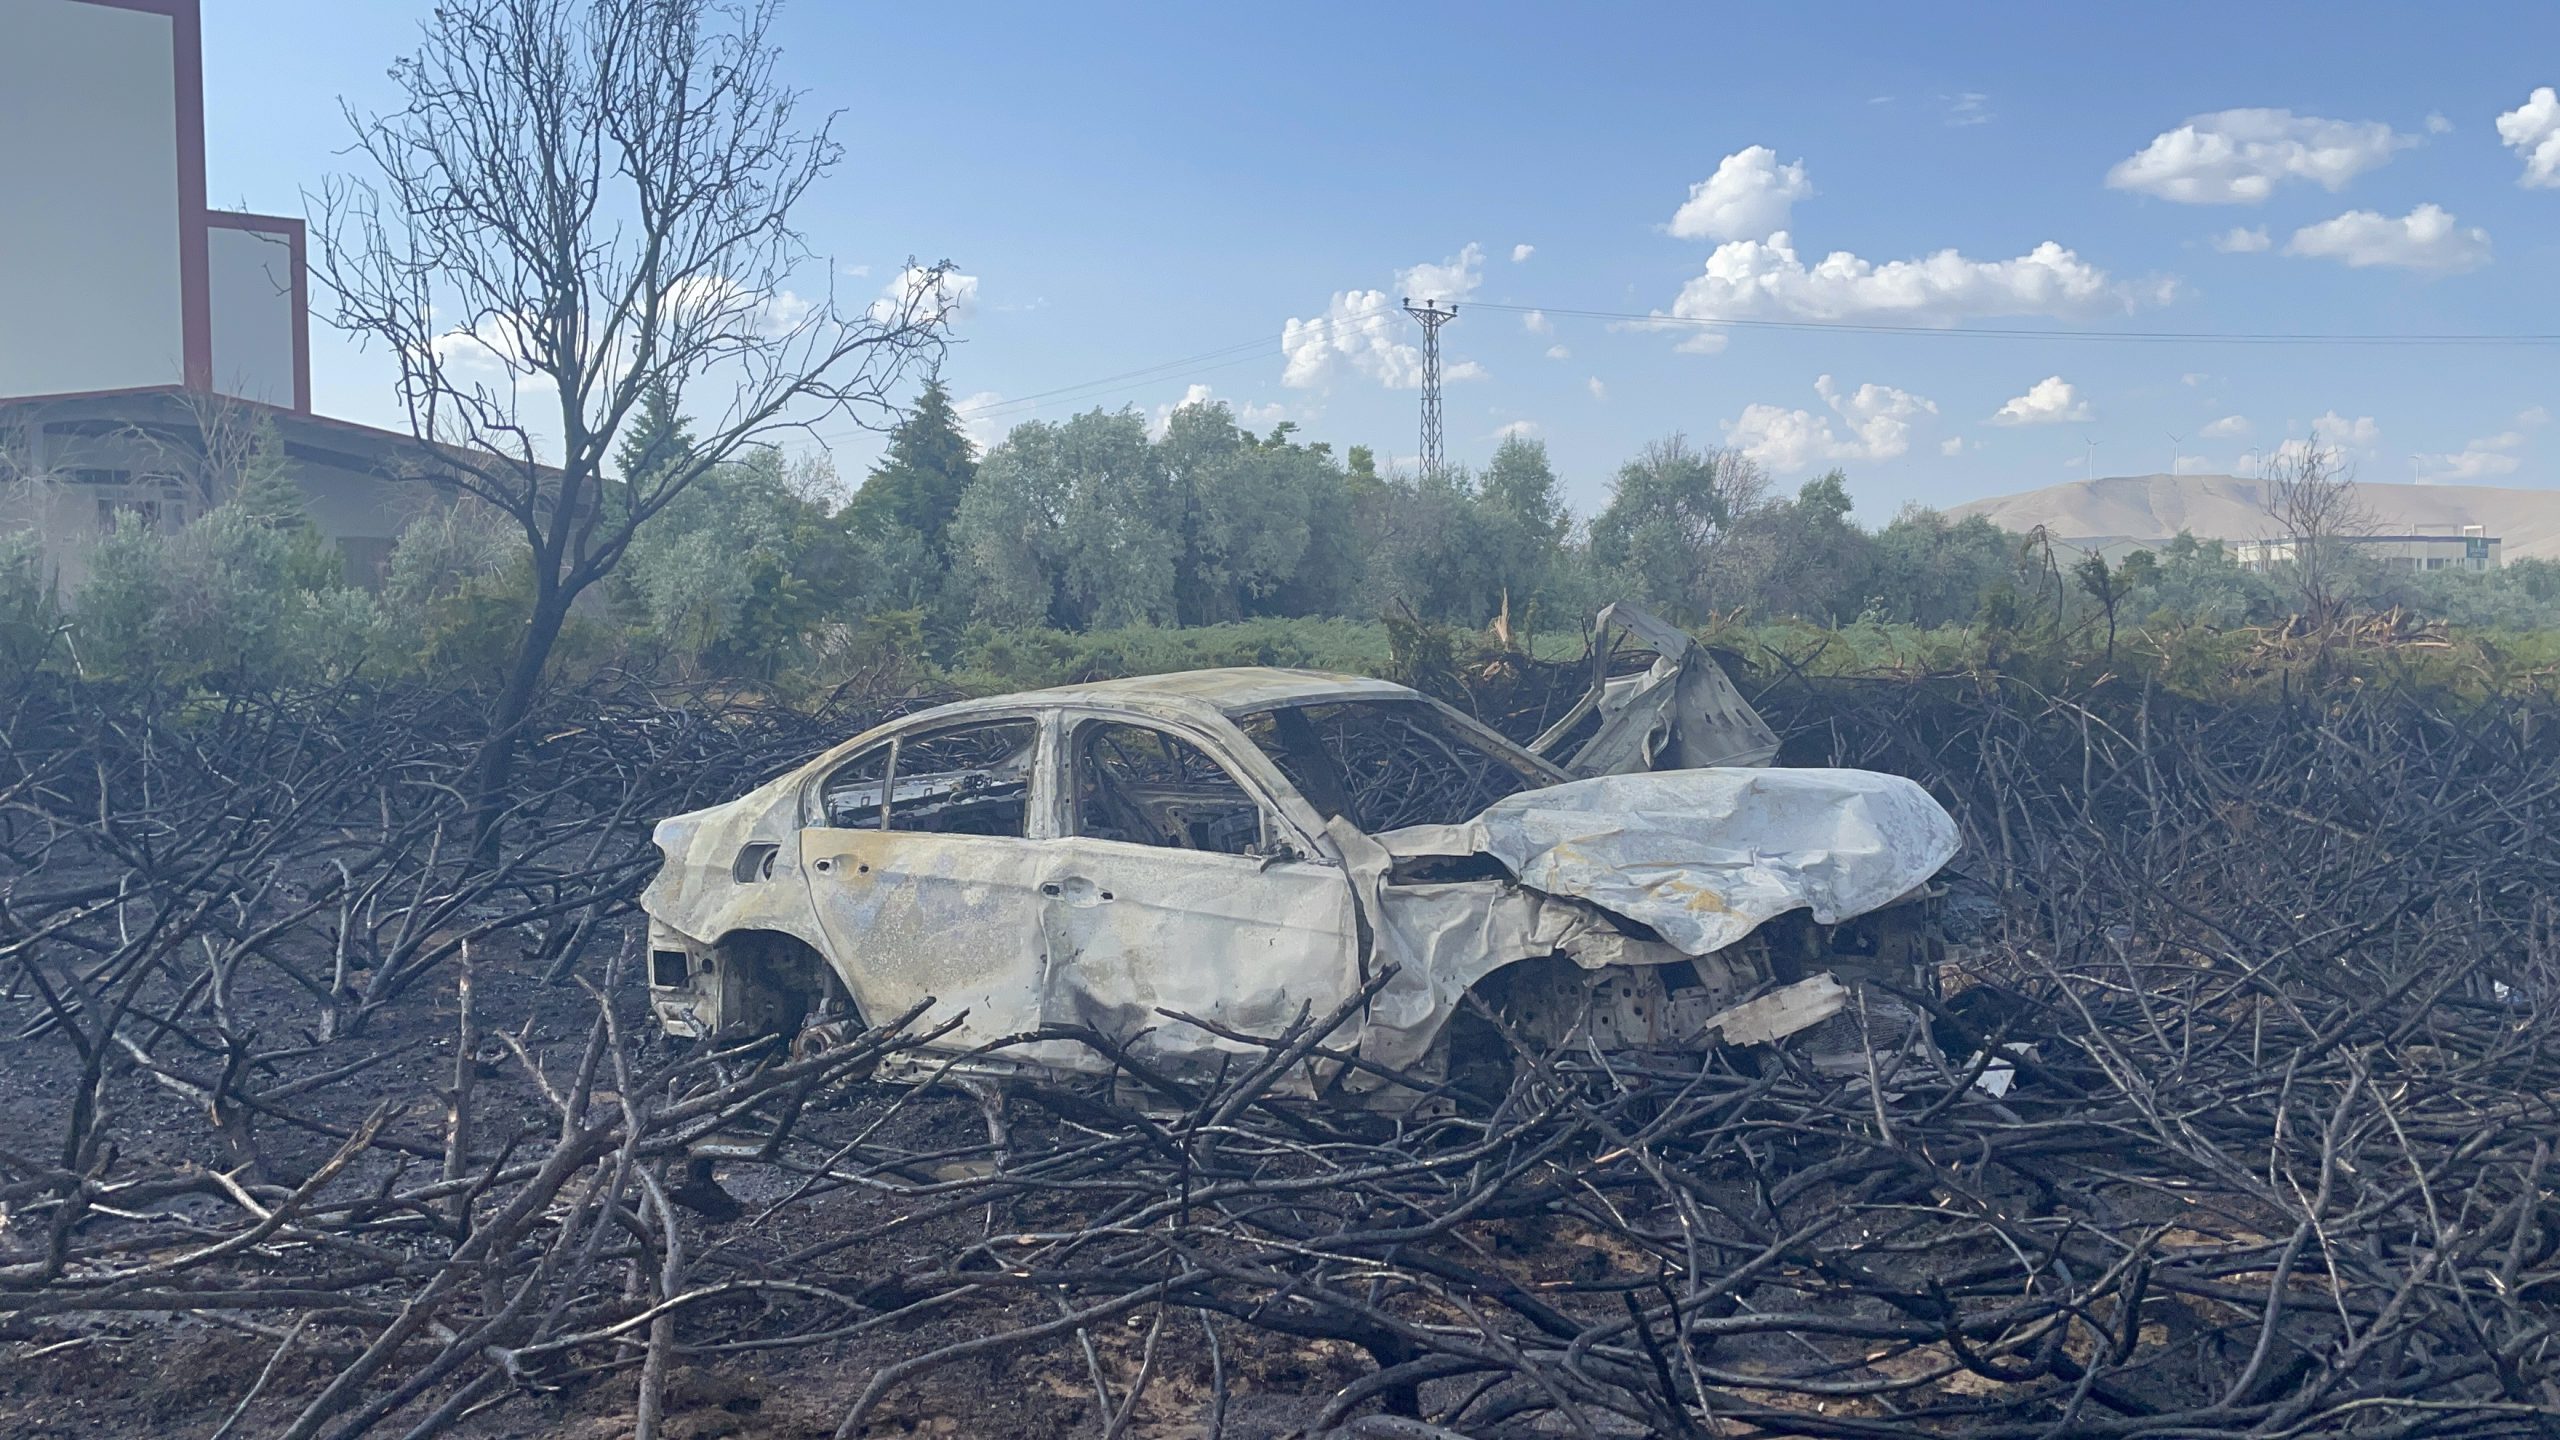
2114,510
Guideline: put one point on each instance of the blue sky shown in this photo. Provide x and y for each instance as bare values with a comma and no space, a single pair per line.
1130,186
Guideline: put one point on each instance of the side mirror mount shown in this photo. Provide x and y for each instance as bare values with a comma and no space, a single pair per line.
1273,849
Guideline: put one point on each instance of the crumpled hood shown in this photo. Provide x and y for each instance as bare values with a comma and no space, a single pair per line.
1703,857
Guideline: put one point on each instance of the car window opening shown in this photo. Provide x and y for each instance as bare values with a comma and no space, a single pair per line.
966,780
1387,764
1146,787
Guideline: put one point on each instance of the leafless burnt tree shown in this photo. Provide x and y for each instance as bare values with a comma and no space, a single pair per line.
2311,496
580,203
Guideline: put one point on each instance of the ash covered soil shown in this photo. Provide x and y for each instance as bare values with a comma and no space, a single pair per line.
138,1376
2233,1115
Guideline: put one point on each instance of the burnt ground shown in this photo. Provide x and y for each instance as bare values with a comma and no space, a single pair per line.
2276,1159
150,1375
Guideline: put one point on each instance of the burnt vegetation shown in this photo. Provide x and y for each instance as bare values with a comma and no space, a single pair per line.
2233,1115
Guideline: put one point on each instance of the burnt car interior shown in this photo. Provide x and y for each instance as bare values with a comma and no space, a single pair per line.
1386,764
1149,788
970,779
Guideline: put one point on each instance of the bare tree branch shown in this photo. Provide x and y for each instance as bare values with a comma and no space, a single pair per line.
579,202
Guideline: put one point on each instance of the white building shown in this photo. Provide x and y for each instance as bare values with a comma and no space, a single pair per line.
129,308
2468,547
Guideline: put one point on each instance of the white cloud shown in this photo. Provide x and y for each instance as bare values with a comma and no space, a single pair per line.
1193,394
2464,467
2337,437
1746,199
2532,130
706,305
1451,280
2291,453
1747,279
502,345
2050,401
1367,329
858,272
1598,390
494,345
1951,446
1517,430
2437,124
1878,418
2483,458
783,310
1757,273
2229,427
985,431
1784,440
2337,429
2241,240
1969,108
1361,328
917,293
1558,352
2237,157
1535,322
2193,378
2190,465
720,305
1521,253
2533,415
1250,416
2424,239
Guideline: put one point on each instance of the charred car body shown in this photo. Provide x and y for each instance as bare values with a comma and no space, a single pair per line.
1247,846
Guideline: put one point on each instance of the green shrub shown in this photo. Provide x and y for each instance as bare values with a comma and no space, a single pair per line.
239,597
30,610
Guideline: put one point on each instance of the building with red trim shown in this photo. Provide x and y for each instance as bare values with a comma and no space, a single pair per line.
135,321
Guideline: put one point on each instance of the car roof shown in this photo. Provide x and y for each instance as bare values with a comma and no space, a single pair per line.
1199,694
1234,690
1196,695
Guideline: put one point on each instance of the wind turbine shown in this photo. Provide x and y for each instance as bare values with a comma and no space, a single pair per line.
2174,442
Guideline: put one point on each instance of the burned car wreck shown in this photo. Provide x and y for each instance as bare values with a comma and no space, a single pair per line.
1241,847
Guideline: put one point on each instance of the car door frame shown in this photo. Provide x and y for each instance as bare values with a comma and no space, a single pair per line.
1115,972
896,906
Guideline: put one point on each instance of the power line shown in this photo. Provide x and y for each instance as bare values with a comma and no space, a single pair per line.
1261,346
2191,337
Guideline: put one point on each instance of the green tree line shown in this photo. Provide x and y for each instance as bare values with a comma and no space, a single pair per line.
1269,546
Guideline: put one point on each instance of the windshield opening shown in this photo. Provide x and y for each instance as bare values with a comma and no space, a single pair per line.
1386,764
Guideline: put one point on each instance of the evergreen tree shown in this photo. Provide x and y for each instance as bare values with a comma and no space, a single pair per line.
262,485
1360,472
917,486
1520,486
658,439
260,491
